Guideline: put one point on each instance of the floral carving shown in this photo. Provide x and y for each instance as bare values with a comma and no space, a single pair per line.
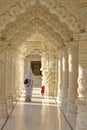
35,10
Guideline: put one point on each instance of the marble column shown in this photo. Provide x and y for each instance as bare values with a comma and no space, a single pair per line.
21,72
3,101
14,78
56,75
45,72
51,68
60,77
43,68
18,77
9,79
73,75
81,102
65,76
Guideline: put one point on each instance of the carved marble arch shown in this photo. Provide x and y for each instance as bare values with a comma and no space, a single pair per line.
64,16
33,51
16,37
36,50
43,13
13,9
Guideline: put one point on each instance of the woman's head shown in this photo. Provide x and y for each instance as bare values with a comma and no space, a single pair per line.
29,74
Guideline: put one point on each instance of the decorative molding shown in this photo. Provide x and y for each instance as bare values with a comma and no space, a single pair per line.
26,31
43,13
64,16
20,7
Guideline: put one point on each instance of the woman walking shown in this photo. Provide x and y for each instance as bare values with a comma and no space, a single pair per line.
28,85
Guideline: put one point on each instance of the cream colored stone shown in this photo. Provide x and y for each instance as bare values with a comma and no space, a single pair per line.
3,100
82,87
73,75
45,27
65,75
60,77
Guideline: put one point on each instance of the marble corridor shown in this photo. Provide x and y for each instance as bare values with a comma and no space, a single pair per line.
49,36
40,114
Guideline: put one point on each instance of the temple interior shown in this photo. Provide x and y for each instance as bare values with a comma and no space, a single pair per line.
49,37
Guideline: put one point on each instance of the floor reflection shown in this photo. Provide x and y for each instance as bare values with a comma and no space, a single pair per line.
63,122
42,113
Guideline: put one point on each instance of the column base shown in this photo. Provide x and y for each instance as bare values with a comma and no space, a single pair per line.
71,110
71,114
64,107
10,101
15,99
3,109
51,90
59,102
81,123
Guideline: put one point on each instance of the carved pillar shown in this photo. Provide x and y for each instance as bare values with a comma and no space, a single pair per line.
12,75
82,87
9,79
56,75
17,77
14,78
65,76
45,71
73,75
43,67
51,72
60,77
3,101
21,77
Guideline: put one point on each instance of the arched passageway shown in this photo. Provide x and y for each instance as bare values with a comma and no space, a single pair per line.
51,35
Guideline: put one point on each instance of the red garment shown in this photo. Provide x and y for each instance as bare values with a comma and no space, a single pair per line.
42,89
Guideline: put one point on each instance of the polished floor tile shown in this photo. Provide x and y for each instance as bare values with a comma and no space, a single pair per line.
40,114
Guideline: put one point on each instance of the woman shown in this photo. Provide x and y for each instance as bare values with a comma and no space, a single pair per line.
28,85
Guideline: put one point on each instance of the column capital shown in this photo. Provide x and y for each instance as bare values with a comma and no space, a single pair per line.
72,44
76,37
82,89
81,102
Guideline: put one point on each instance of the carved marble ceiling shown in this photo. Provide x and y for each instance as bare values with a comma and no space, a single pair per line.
19,19
20,7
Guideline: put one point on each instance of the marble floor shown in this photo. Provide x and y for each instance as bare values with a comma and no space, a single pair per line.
40,114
